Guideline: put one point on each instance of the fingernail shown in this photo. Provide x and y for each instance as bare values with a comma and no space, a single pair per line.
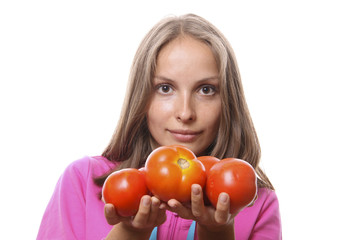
107,210
172,204
223,198
195,190
146,202
155,201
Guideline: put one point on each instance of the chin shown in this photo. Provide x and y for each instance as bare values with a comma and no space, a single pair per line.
194,149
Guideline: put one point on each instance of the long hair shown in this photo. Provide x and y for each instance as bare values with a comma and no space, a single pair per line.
132,142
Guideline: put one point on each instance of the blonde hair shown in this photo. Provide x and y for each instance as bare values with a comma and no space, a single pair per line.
132,141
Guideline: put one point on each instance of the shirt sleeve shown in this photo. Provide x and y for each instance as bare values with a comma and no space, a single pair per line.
64,217
268,224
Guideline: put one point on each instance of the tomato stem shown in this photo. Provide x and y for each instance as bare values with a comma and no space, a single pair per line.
183,163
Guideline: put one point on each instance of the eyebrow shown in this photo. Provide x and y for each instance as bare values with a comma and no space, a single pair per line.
201,80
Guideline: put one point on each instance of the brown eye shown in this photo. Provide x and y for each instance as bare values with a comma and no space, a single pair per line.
164,88
207,90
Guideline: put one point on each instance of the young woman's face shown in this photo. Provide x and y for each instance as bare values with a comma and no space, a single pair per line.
185,106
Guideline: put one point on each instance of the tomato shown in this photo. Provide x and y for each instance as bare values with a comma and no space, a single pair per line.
170,172
208,162
142,170
124,189
235,177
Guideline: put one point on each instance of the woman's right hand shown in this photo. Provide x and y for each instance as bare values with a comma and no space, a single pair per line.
151,213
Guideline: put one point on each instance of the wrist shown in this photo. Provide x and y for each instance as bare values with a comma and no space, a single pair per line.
127,231
140,232
218,228
216,232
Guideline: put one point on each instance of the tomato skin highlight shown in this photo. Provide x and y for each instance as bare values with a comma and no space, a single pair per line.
235,177
124,189
170,172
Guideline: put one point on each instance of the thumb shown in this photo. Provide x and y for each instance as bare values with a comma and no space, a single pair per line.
111,215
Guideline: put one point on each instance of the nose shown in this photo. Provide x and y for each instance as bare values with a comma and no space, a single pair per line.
185,109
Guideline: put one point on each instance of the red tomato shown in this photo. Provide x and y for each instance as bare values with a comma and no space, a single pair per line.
142,170
235,177
208,162
170,172
124,189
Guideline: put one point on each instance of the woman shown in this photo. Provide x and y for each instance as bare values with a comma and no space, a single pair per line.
184,88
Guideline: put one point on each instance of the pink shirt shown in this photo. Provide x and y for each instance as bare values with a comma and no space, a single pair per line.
76,212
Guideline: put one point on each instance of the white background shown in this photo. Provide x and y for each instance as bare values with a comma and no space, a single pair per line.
63,71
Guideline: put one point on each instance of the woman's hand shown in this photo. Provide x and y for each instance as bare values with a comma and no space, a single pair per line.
151,213
209,219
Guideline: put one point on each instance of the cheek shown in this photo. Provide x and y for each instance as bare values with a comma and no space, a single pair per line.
158,105
211,116
158,112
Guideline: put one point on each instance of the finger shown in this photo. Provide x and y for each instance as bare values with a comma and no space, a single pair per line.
141,217
222,214
155,204
111,215
177,207
163,206
197,202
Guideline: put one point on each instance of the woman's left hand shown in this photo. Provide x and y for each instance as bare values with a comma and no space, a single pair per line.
210,218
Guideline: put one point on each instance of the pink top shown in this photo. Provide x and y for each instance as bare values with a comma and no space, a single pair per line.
76,212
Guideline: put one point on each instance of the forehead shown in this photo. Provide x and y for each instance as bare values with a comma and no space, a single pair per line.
185,42
187,57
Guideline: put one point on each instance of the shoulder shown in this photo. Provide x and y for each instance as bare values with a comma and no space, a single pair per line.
77,181
266,204
82,171
74,198
267,197
90,166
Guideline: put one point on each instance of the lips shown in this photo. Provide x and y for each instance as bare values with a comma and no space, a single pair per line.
184,135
